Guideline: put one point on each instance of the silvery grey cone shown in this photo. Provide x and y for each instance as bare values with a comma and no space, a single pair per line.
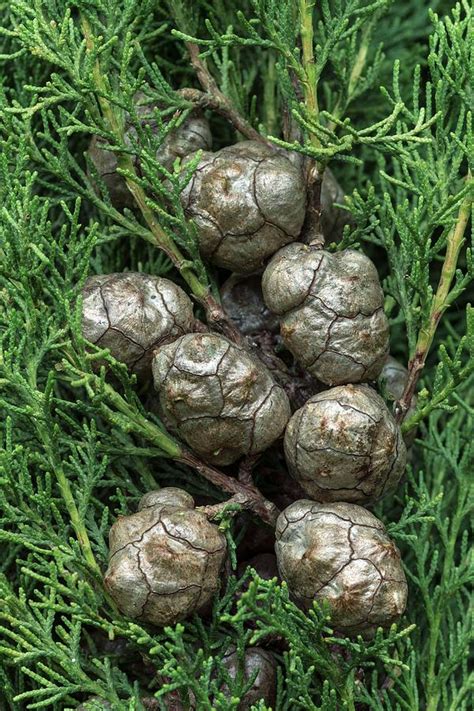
243,302
247,201
392,381
131,313
341,553
220,399
331,311
344,445
193,134
105,163
258,663
165,560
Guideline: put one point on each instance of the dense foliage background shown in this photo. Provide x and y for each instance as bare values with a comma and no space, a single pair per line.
76,450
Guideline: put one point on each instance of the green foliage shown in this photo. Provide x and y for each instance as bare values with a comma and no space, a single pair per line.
433,533
78,448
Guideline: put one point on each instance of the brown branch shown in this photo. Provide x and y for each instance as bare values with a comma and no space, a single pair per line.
218,319
312,233
214,510
213,98
248,495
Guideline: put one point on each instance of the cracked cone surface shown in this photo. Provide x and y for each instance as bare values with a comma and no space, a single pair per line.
132,313
331,312
341,553
247,201
344,445
165,560
221,400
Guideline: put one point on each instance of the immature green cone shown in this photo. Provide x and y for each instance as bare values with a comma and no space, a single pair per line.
331,311
132,313
247,201
165,560
258,663
341,553
193,134
344,445
220,400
